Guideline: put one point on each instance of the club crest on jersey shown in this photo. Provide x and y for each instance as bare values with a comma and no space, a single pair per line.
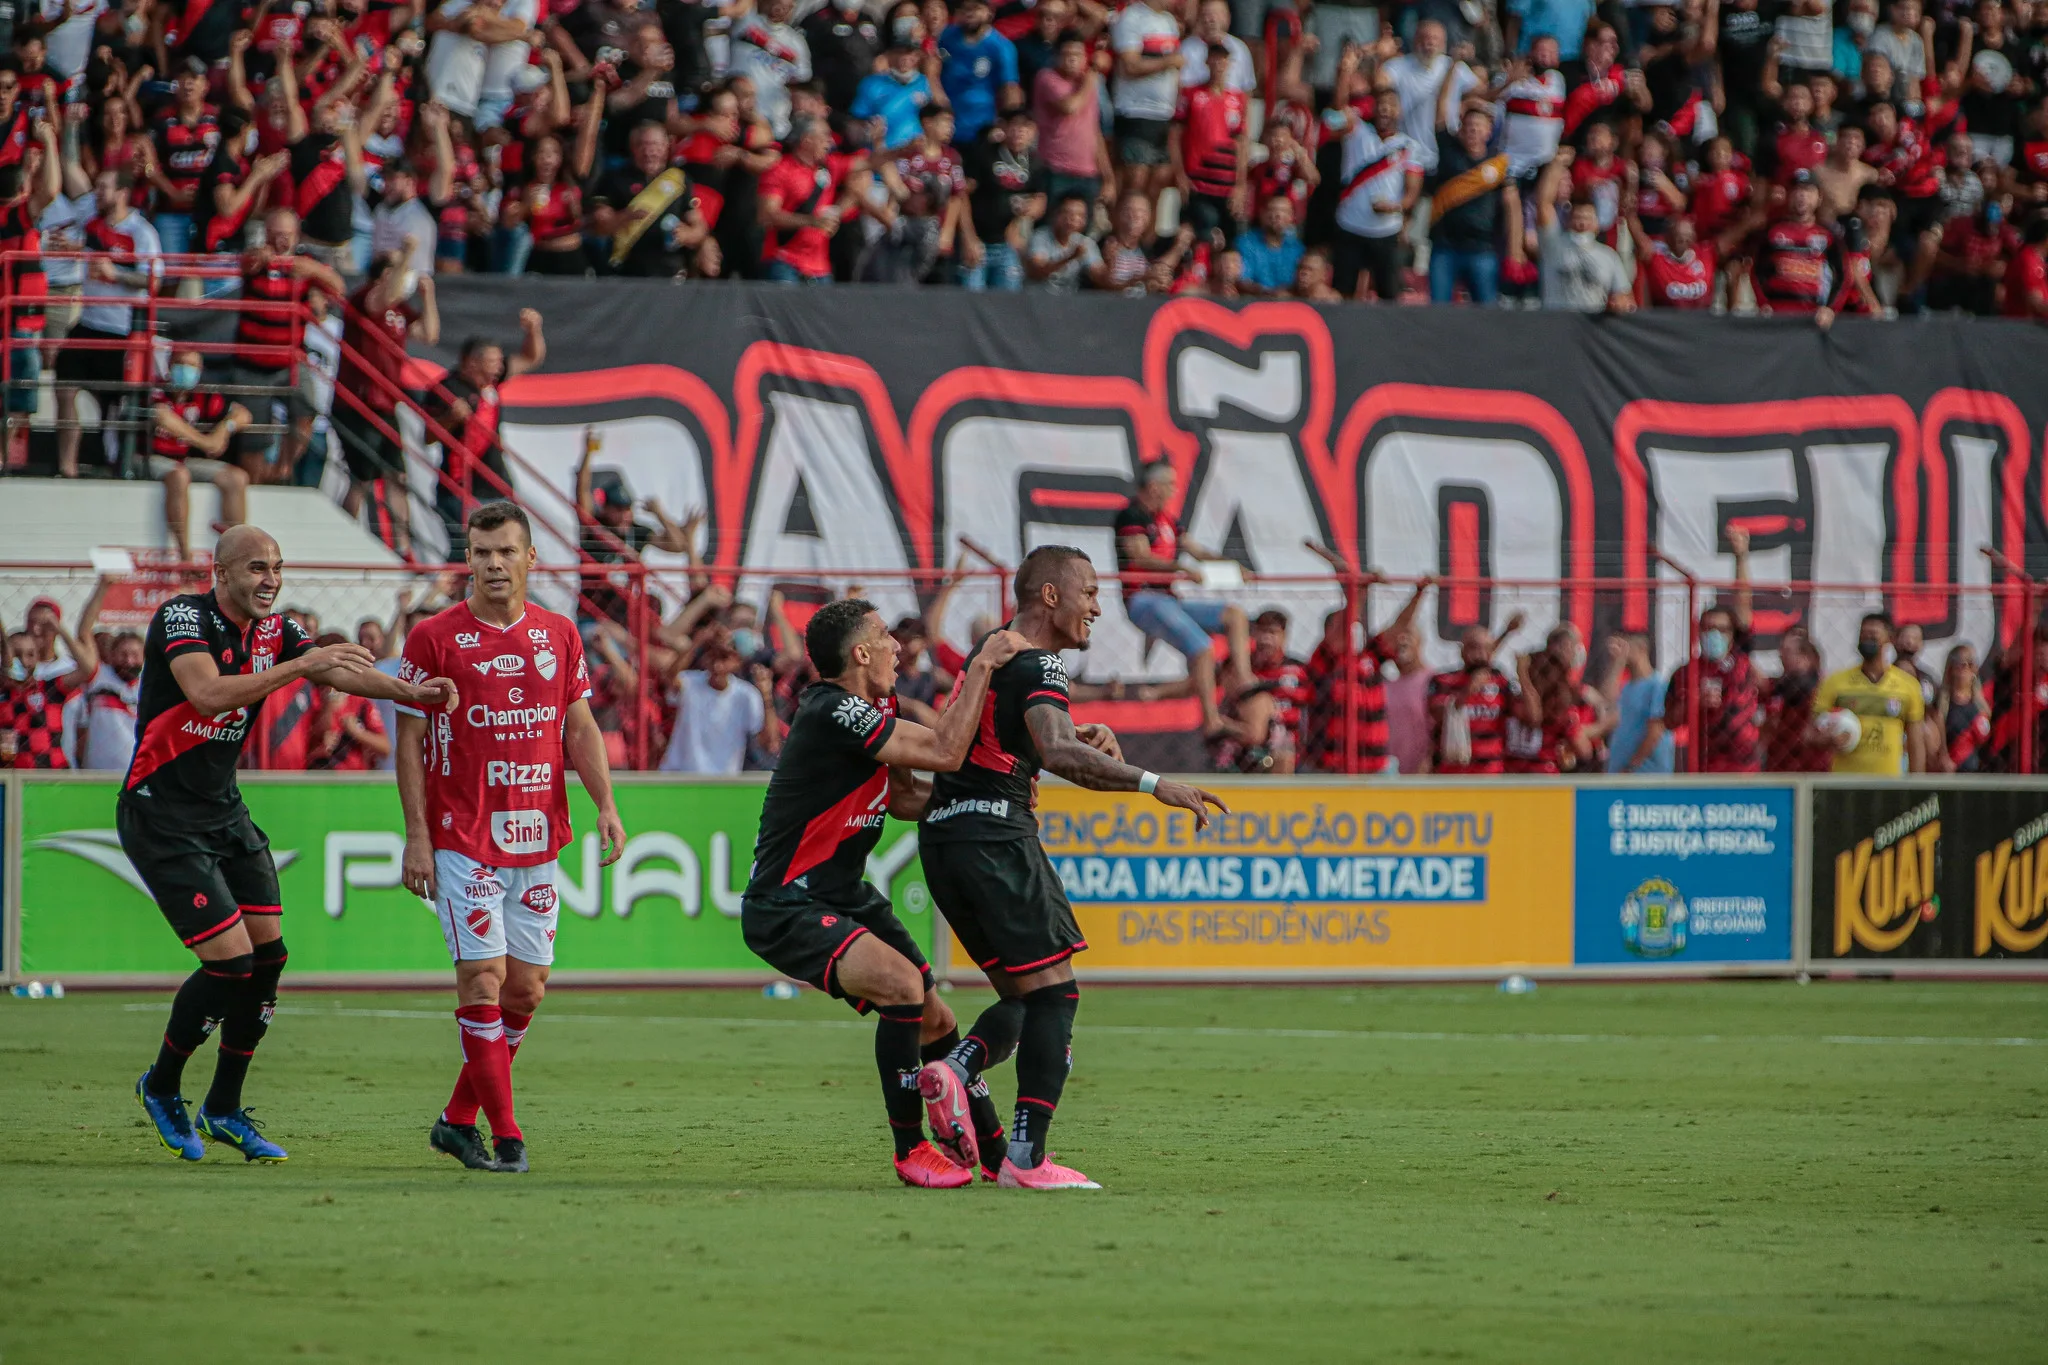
544,659
505,666
856,715
479,920
468,639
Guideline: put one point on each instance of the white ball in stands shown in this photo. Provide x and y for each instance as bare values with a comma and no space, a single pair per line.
1841,728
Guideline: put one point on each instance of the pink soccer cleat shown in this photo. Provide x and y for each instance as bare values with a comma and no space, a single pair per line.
1046,1175
928,1168
945,1108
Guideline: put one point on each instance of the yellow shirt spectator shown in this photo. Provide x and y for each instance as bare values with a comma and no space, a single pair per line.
1884,708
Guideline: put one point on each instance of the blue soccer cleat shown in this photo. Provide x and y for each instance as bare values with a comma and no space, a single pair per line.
242,1133
173,1123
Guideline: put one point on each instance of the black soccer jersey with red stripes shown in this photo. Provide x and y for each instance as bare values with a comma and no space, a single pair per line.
992,795
183,772
829,794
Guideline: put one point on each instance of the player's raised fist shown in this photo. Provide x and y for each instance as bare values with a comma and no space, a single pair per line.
1189,798
1003,646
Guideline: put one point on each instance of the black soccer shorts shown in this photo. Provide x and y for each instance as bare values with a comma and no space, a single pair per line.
803,934
1004,902
204,882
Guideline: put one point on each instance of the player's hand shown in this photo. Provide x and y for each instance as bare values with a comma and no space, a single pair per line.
613,834
1102,739
345,656
417,869
436,694
1001,647
1189,798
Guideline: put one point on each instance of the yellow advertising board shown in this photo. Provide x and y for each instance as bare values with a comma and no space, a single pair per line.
1314,877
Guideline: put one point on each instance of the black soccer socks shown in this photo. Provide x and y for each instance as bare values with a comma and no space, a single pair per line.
1044,1053
993,1039
243,1028
207,997
896,1057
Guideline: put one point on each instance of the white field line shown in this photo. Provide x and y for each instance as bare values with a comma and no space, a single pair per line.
1178,1031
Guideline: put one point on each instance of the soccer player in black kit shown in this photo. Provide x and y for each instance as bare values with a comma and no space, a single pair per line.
1001,897
208,662
807,912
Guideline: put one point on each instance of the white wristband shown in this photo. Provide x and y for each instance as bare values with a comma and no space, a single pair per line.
1148,782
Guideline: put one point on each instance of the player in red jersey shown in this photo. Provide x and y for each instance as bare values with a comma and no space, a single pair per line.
208,664
487,810
808,912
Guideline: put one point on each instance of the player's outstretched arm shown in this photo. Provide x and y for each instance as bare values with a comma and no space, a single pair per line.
583,744
1062,750
943,747
211,693
435,694
409,758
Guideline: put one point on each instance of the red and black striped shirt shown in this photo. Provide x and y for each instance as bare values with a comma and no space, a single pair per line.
269,326
1731,710
199,409
1360,689
18,233
1486,708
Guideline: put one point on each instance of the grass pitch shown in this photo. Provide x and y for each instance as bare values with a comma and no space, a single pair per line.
1730,1172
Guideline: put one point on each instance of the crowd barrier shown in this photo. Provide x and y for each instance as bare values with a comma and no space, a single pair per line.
1309,879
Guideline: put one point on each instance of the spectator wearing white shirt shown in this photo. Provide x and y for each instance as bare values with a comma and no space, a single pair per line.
774,54
1580,273
1532,109
68,43
95,357
1418,78
1146,92
1378,185
1212,25
1901,43
99,723
717,714
1807,30
468,36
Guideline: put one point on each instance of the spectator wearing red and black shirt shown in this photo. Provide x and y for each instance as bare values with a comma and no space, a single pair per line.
380,319
470,411
187,136
2026,278
1788,710
32,707
803,199
1150,541
1725,680
1795,270
1469,709
1346,683
1796,145
1263,720
1209,145
1970,263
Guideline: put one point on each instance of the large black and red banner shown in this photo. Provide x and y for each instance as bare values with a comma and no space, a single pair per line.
868,429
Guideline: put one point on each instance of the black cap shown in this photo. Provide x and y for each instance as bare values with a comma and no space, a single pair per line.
608,489
1802,176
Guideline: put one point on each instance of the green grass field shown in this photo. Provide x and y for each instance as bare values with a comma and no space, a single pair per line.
1731,1172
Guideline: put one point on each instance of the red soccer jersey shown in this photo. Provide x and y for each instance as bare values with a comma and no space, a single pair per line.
1602,185
802,190
1798,149
1716,198
496,788
1486,718
395,323
2026,284
1794,274
1210,123
1678,281
1327,746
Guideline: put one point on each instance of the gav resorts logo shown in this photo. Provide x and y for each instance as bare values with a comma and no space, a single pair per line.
1654,919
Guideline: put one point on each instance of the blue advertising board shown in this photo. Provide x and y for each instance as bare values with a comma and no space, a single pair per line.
1683,875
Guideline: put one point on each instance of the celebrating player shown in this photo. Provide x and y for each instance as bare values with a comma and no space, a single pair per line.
208,663
806,912
990,877
487,809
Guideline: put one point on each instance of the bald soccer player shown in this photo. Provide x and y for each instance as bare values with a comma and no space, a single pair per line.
209,661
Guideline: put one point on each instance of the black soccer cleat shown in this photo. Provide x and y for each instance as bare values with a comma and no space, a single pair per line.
463,1142
511,1153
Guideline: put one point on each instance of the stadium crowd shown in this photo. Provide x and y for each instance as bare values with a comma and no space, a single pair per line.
724,679
1794,156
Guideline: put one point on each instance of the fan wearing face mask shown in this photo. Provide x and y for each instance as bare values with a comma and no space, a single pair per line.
1724,679
1885,699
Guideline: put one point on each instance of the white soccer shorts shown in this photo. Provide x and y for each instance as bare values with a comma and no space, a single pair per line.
488,911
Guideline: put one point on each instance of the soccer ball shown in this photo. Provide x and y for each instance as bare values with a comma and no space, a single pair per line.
1841,729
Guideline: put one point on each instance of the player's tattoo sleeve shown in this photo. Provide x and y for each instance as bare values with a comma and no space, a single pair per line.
1062,751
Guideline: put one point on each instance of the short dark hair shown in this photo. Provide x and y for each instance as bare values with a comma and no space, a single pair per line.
491,515
1882,618
1157,469
1271,616
1042,566
831,631
471,345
